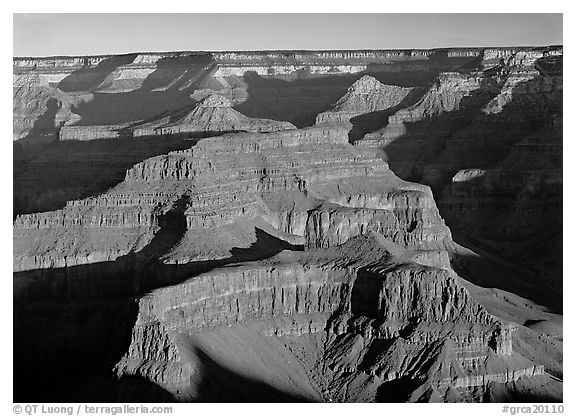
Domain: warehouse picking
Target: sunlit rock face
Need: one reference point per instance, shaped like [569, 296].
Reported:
[366, 314]
[308, 183]
[364, 96]
[223, 227]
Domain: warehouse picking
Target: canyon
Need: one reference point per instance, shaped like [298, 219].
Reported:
[310, 226]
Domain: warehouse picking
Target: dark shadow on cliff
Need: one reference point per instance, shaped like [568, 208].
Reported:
[219, 384]
[490, 270]
[550, 65]
[167, 88]
[297, 101]
[517, 241]
[68, 170]
[425, 142]
[513, 213]
[431, 152]
[88, 78]
[454, 141]
[514, 210]
[265, 245]
[299, 97]
[41, 135]
[397, 391]
[20, 159]
[97, 386]
[65, 348]
[72, 323]
[371, 122]
[364, 300]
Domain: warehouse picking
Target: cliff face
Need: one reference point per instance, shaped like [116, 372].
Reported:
[148, 84]
[364, 96]
[460, 111]
[492, 136]
[134, 95]
[376, 320]
[192, 222]
[309, 183]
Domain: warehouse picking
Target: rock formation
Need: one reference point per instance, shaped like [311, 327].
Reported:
[201, 248]
[492, 135]
[212, 115]
[309, 183]
[446, 129]
[99, 97]
[364, 96]
[373, 315]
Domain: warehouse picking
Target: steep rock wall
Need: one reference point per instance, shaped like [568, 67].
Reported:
[375, 305]
[223, 180]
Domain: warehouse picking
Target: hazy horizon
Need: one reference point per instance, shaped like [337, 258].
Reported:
[46, 35]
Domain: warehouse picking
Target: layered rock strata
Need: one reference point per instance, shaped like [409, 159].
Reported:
[491, 136]
[375, 314]
[105, 90]
[463, 115]
[364, 96]
[323, 196]
[212, 115]
[282, 266]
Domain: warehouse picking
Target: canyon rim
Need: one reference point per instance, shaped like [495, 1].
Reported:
[289, 226]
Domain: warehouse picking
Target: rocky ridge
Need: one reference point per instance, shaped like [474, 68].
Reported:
[281, 176]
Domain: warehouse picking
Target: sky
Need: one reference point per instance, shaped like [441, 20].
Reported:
[93, 34]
